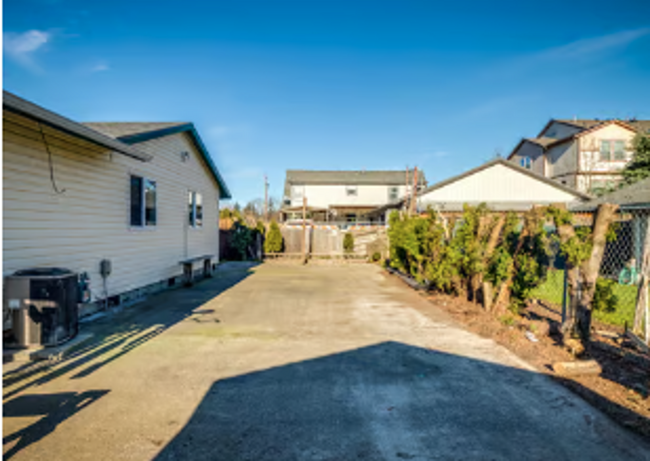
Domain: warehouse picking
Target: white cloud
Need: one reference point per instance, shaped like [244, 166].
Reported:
[592, 47]
[219, 131]
[21, 47]
[579, 52]
[100, 68]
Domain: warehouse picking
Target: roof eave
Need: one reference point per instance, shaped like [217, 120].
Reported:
[224, 192]
[41, 115]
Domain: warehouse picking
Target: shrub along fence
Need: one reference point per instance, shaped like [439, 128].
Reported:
[580, 263]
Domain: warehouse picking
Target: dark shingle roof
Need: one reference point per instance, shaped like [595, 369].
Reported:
[583, 123]
[632, 196]
[543, 141]
[349, 177]
[640, 125]
[136, 132]
[122, 129]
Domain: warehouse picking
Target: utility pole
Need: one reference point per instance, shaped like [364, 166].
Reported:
[414, 190]
[304, 229]
[406, 192]
[266, 199]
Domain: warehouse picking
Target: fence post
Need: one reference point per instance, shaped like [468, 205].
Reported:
[565, 289]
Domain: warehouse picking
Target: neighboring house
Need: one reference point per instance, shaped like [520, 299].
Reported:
[344, 195]
[501, 185]
[585, 154]
[633, 222]
[142, 195]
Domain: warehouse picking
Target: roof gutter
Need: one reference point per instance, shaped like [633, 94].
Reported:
[20, 106]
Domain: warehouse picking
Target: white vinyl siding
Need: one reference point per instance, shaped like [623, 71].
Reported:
[496, 184]
[90, 220]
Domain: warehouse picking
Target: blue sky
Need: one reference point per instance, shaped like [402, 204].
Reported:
[334, 84]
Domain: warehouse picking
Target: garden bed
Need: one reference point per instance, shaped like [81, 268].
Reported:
[621, 390]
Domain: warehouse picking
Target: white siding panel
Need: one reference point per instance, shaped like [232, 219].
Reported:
[497, 183]
[90, 220]
[323, 196]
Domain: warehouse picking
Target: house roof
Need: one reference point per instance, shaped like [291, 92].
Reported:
[509, 164]
[586, 126]
[137, 132]
[636, 195]
[122, 129]
[22, 107]
[349, 177]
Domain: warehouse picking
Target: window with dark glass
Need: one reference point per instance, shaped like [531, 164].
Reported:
[393, 193]
[143, 202]
[195, 209]
[136, 201]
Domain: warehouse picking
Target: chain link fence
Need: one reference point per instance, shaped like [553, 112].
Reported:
[620, 271]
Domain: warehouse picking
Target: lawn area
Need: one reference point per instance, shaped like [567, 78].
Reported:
[551, 291]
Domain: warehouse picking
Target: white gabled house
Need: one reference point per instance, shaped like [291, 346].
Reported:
[345, 195]
[501, 185]
[142, 195]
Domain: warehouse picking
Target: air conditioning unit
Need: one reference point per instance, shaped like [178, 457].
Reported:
[42, 306]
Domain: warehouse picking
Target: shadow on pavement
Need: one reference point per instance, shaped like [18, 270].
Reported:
[395, 401]
[55, 409]
[118, 334]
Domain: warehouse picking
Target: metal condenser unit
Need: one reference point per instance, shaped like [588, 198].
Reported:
[42, 305]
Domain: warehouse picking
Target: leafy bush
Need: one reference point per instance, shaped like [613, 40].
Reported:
[453, 257]
[348, 243]
[605, 300]
[274, 241]
[241, 240]
[376, 256]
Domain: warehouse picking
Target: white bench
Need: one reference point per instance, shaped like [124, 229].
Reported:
[188, 268]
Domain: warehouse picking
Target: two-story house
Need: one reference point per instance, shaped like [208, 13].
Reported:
[585, 154]
[345, 195]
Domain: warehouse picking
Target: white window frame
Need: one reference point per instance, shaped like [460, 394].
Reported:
[192, 221]
[392, 189]
[526, 162]
[143, 202]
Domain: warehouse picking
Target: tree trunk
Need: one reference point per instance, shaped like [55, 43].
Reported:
[590, 269]
[503, 298]
[642, 294]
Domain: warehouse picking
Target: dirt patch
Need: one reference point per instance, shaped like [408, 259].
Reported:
[621, 390]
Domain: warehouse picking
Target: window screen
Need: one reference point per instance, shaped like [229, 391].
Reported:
[198, 210]
[195, 209]
[149, 202]
[605, 150]
[619, 150]
[143, 202]
[190, 208]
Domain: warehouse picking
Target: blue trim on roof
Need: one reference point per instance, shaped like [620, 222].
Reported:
[224, 193]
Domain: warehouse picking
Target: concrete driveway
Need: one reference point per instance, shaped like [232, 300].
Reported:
[305, 363]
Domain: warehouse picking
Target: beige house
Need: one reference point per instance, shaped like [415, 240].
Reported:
[501, 185]
[142, 195]
[585, 154]
[345, 195]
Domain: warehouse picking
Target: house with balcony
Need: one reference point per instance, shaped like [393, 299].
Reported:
[587, 155]
[335, 196]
